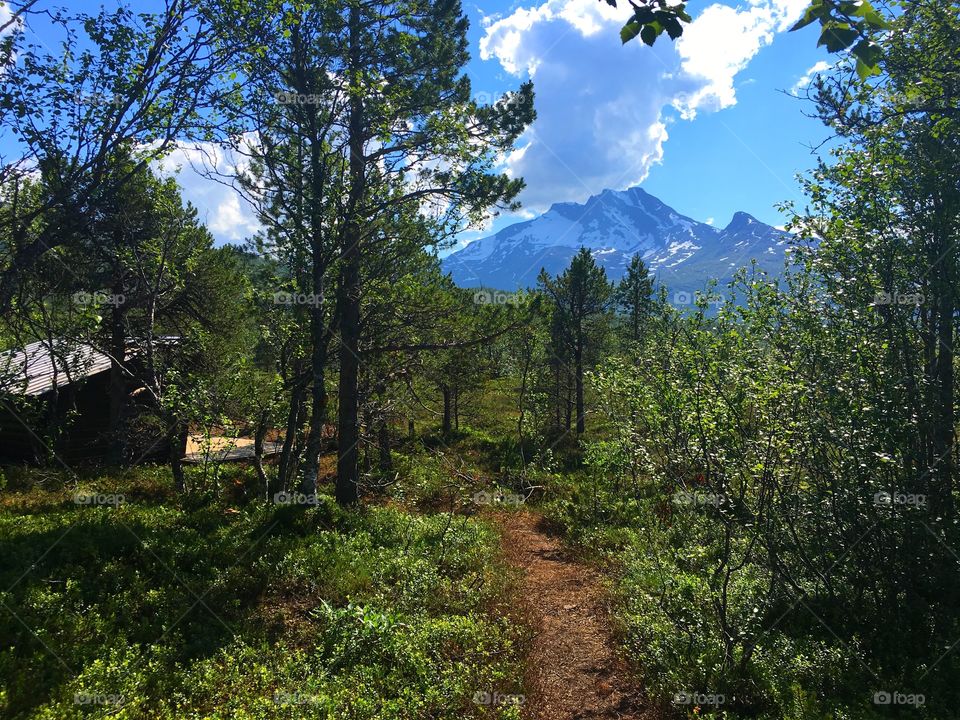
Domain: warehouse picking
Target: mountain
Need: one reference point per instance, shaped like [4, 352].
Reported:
[615, 225]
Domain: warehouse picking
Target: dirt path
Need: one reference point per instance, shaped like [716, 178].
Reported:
[573, 672]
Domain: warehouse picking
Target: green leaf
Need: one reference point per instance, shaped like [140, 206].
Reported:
[864, 71]
[629, 31]
[868, 55]
[816, 11]
[870, 16]
[808, 17]
[644, 15]
[673, 27]
[649, 35]
[837, 36]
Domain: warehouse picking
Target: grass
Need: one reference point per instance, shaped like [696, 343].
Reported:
[158, 606]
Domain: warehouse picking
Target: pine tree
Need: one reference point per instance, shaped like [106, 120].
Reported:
[581, 297]
[634, 296]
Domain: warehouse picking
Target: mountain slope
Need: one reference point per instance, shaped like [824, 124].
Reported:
[615, 225]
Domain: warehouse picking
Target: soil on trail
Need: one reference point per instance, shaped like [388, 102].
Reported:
[573, 672]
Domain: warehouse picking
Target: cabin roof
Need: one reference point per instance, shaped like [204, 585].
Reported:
[35, 370]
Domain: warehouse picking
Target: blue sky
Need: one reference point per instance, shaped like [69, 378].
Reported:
[704, 123]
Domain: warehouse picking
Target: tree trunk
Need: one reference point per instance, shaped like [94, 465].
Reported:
[944, 438]
[299, 444]
[579, 382]
[57, 410]
[447, 397]
[383, 443]
[349, 292]
[319, 335]
[556, 394]
[293, 423]
[118, 381]
[366, 427]
[177, 446]
[347, 420]
[259, 436]
[522, 405]
[54, 415]
[318, 411]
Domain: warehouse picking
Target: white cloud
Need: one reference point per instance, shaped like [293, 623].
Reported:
[231, 221]
[721, 41]
[220, 207]
[507, 38]
[603, 108]
[808, 77]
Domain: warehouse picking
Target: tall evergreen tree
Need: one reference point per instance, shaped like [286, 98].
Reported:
[289, 127]
[634, 296]
[382, 150]
[581, 297]
[415, 142]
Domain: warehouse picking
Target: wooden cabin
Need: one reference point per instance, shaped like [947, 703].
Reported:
[55, 399]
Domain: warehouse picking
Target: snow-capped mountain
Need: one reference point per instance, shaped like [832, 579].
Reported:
[615, 225]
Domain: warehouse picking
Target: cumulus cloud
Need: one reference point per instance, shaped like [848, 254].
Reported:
[232, 221]
[604, 109]
[721, 41]
[808, 77]
[204, 173]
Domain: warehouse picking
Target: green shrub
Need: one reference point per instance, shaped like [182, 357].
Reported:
[167, 607]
